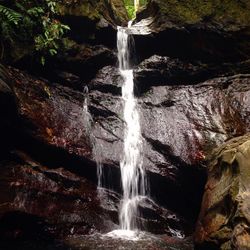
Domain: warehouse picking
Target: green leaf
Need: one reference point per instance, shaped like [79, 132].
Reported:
[52, 52]
[43, 60]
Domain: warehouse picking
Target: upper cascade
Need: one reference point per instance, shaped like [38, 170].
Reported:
[132, 172]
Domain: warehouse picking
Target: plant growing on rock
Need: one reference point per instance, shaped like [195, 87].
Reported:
[30, 24]
[129, 4]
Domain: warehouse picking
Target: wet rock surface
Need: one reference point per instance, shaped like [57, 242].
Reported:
[48, 119]
[89, 58]
[40, 205]
[180, 126]
[58, 201]
[162, 70]
[211, 32]
[224, 218]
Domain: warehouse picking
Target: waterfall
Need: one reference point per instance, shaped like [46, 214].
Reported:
[132, 172]
[136, 4]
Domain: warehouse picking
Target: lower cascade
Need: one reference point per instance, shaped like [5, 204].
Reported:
[133, 175]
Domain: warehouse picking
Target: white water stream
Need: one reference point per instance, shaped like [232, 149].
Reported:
[132, 172]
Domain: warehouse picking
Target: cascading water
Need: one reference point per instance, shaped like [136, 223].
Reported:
[136, 4]
[132, 172]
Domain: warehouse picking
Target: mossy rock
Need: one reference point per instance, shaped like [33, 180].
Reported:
[113, 11]
[229, 14]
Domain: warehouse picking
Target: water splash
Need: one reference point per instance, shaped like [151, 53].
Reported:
[132, 171]
[87, 118]
[96, 148]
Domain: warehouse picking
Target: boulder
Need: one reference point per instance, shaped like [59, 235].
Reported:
[224, 218]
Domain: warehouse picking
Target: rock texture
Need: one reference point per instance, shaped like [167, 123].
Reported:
[212, 31]
[93, 21]
[66, 201]
[224, 218]
[53, 129]
[180, 126]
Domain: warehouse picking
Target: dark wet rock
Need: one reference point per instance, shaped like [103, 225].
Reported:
[49, 114]
[92, 21]
[214, 31]
[84, 60]
[8, 112]
[159, 220]
[55, 203]
[180, 127]
[159, 70]
[54, 130]
[68, 79]
[224, 218]
[74, 66]
[111, 84]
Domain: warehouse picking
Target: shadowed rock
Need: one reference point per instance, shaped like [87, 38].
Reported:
[211, 32]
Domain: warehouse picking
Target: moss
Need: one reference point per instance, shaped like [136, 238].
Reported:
[193, 11]
[83, 8]
[113, 11]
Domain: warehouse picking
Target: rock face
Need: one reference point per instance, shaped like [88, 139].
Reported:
[53, 121]
[180, 126]
[224, 218]
[56, 195]
[92, 21]
[212, 31]
[113, 11]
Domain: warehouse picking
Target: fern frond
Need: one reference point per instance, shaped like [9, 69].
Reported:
[11, 15]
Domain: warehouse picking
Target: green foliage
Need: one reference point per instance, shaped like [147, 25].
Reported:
[129, 4]
[11, 15]
[48, 40]
[33, 23]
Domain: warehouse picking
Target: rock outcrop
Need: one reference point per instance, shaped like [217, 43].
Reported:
[224, 221]
[93, 21]
[212, 31]
[180, 126]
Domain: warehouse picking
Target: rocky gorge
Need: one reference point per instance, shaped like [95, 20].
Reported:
[192, 83]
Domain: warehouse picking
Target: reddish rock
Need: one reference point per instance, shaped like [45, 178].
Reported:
[224, 218]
